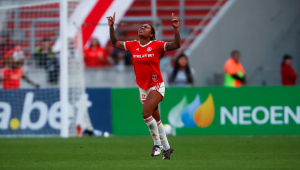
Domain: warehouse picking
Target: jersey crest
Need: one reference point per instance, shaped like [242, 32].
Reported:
[154, 77]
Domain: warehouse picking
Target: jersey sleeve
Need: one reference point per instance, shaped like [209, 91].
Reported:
[161, 46]
[128, 45]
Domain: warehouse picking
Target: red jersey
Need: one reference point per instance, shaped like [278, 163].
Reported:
[11, 78]
[288, 75]
[95, 57]
[146, 62]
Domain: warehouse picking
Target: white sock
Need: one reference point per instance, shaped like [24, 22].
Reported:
[163, 136]
[151, 123]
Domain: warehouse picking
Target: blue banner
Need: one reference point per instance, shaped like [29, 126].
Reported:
[100, 111]
[37, 112]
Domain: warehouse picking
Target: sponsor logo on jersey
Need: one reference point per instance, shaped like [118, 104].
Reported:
[144, 55]
[149, 49]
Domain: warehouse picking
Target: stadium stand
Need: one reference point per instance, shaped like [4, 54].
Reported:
[194, 13]
[42, 21]
[35, 23]
[46, 17]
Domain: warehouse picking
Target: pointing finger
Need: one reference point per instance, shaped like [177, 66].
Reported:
[172, 15]
[114, 15]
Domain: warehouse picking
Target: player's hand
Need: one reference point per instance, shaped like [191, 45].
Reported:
[175, 21]
[111, 20]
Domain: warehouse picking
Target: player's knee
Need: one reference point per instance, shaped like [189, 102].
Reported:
[146, 113]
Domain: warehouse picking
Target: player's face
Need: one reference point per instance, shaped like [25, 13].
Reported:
[145, 31]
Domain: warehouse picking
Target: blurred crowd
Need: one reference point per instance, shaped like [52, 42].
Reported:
[11, 64]
[181, 74]
[235, 75]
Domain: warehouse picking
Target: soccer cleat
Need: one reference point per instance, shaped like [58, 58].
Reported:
[167, 153]
[156, 150]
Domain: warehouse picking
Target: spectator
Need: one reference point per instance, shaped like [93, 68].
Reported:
[45, 58]
[234, 71]
[43, 53]
[5, 45]
[12, 72]
[181, 74]
[288, 75]
[121, 56]
[95, 55]
[52, 68]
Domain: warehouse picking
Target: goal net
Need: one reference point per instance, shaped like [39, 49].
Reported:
[30, 71]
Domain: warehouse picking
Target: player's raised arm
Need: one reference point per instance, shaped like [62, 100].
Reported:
[176, 44]
[113, 38]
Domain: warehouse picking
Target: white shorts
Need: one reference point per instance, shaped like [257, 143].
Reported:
[159, 87]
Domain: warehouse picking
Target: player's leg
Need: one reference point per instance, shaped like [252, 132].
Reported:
[163, 137]
[161, 130]
[167, 148]
[151, 102]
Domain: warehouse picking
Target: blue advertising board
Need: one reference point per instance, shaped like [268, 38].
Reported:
[100, 111]
[27, 112]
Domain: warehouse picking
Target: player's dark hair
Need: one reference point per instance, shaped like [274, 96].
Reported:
[152, 32]
[187, 70]
[234, 52]
[285, 57]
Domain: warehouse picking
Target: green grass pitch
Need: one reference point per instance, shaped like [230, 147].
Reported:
[133, 153]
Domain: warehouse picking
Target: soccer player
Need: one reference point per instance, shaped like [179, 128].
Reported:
[146, 54]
